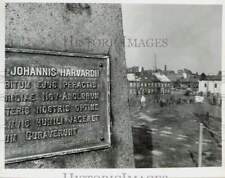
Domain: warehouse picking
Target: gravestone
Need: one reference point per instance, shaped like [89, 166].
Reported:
[76, 51]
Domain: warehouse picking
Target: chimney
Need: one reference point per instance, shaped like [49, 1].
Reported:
[165, 68]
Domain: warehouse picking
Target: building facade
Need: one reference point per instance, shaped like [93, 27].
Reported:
[148, 84]
[212, 86]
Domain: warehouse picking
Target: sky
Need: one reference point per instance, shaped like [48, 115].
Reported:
[193, 34]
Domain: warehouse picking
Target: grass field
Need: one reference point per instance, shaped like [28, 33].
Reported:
[168, 136]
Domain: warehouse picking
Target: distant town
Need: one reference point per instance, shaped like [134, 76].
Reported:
[163, 82]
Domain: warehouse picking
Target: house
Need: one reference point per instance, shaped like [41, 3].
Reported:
[133, 83]
[190, 82]
[164, 83]
[211, 84]
[148, 83]
[186, 73]
[133, 69]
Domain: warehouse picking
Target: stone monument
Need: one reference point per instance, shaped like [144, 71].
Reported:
[66, 101]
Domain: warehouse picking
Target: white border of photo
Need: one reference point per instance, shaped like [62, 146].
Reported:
[203, 172]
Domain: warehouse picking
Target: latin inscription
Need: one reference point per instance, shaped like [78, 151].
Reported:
[48, 96]
[54, 102]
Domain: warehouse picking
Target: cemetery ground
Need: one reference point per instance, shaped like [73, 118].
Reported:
[168, 136]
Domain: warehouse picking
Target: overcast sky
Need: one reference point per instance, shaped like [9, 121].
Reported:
[193, 34]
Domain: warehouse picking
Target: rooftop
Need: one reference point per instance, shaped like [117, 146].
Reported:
[162, 77]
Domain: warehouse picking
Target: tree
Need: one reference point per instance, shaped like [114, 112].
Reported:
[203, 76]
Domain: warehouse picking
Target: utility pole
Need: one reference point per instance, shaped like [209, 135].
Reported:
[200, 142]
[155, 62]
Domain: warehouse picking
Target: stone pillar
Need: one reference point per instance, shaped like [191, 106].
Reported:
[86, 28]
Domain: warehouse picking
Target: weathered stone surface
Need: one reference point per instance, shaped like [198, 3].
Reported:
[72, 28]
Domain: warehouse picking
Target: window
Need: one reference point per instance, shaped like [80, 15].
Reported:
[215, 85]
[205, 85]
